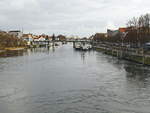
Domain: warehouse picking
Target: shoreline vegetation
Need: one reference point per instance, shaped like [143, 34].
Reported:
[10, 43]
[131, 43]
[15, 48]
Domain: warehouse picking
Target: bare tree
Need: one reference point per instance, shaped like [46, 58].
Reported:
[141, 27]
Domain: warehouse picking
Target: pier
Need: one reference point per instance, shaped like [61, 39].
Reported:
[138, 55]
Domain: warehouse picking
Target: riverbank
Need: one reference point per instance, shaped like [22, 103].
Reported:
[12, 52]
[12, 49]
[133, 55]
[15, 48]
[1, 51]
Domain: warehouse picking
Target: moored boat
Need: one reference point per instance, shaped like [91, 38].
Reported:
[77, 46]
[82, 46]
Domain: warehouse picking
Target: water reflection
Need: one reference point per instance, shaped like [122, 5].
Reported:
[14, 53]
[64, 80]
[39, 50]
[137, 74]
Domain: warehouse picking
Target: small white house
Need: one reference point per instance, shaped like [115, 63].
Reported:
[28, 38]
[41, 38]
[16, 33]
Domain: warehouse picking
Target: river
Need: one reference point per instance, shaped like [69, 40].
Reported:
[62, 80]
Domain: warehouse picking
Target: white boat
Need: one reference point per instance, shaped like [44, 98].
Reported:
[82, 46]
[77, 46]
[85, 47]
[89, 46]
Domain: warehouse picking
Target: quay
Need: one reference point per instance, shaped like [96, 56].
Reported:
[138, 55]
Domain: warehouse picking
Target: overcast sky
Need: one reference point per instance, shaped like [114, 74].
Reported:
[69, 17]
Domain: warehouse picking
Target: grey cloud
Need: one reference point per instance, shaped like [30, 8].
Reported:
[79, 17]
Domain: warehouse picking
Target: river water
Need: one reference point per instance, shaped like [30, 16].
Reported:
[62, 80]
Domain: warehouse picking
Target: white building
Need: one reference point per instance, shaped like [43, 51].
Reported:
[111, 33]
[41, 38]
[28, 37]
[16, 33]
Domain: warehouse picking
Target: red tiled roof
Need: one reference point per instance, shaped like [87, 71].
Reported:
[122, 29]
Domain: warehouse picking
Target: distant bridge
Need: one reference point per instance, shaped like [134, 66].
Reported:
[50, 42]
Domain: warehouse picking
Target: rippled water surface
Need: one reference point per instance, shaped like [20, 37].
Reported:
[62, 80]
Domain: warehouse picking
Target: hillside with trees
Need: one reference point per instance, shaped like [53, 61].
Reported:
[7, 40]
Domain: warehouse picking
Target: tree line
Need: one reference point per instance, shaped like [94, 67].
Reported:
[140, 29]
[7, 40]
[137, 32]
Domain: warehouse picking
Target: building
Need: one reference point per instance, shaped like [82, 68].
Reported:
[27, 37]
[61, 38]
[41, 38]
[122, 30]
[99, 36]
[16, 33]
[112, 33]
